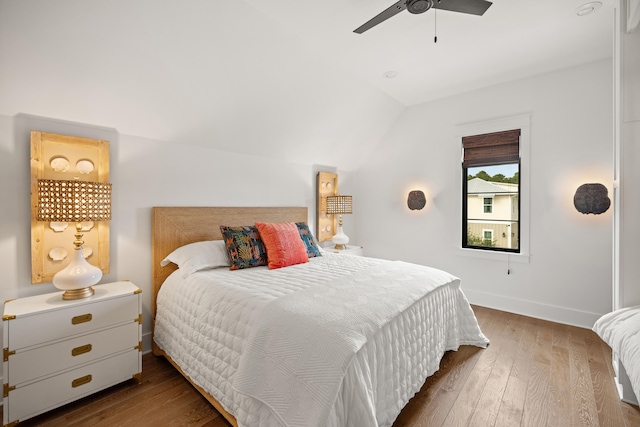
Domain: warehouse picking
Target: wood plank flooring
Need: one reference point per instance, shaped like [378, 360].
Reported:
[534, 373]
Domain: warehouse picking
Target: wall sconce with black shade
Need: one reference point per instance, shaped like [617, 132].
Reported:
[592, 199]
[416, 200]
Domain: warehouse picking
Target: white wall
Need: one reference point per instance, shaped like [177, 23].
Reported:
[629, 281]
[216, 74]
[568, 276]
[144, 173]
[626, 273]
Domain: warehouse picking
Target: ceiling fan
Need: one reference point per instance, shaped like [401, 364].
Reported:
[472, 7]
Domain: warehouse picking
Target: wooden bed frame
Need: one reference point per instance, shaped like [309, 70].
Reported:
[173, 227]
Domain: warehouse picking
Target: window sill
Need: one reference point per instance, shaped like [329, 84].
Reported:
[495, 255]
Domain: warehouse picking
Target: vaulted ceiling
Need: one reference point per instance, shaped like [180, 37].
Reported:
[278, 78]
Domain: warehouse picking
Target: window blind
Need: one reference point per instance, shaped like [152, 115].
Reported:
[491, 148]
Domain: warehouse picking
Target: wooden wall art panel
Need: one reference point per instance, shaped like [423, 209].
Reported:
[66, 157]
[327, 185]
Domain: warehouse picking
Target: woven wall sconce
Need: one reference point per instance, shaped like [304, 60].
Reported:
[416, 200]
[592, 199]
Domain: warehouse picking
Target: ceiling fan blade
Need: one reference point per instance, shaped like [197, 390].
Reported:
[386, 14]
[472, 7]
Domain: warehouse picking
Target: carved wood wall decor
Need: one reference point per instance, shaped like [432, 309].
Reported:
[66, 157]
[327, 185]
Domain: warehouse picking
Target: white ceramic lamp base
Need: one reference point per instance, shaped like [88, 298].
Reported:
[77, 278]
[340, 240]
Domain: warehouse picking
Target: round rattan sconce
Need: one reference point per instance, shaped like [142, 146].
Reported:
[592, 199]
[416, 200]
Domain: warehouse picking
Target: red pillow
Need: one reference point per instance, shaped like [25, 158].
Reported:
[283, 243]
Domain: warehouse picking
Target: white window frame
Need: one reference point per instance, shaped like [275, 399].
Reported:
[522, 122]
[484, 205]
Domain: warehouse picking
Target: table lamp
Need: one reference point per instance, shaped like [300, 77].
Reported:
[339, 205]
[75, 201]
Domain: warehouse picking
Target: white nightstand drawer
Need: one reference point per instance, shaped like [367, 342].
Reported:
[70, 320]
[56, 351]
[36, 398]
[25, 366]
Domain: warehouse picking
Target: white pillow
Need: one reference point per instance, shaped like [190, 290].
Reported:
[199, 256]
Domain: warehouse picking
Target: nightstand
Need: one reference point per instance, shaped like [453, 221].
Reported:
[350, 250]
[57, 351]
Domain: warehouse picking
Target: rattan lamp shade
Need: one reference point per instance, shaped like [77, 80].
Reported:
[339, 205]
[75, 201]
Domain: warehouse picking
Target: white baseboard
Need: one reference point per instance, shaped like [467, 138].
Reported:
[552, 313]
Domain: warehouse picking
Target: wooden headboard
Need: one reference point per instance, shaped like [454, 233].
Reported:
[172, 227]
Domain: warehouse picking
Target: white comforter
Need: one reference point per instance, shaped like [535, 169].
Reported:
[621, 330]
[203, 323]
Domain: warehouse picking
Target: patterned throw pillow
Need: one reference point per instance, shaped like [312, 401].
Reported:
[244, 246]
[309, 241]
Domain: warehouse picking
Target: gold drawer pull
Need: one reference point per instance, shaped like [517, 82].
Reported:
[81, 381]
[83, 318]
[81, 350]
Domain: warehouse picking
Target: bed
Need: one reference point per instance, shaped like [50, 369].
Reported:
[272, 347]
[620, 329]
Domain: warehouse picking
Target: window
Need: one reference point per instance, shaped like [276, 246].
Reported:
[491, 191]
[488, 205]
[487, 237]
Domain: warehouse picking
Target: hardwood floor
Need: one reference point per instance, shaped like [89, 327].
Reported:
[534, 373]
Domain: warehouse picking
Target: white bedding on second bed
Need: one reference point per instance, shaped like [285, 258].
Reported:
[203, 322]
[621, 330]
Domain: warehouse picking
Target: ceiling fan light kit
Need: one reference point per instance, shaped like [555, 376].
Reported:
[419, 6]
[471, 7]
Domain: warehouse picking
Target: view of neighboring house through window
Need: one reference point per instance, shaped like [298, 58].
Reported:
[487, 236]
[491, 189]
[488, 205]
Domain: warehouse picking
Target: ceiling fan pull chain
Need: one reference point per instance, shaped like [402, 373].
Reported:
[435, 24]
